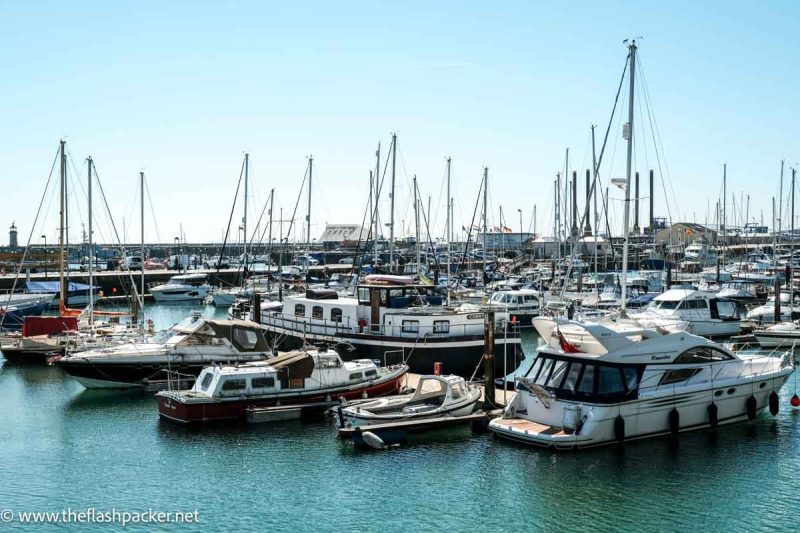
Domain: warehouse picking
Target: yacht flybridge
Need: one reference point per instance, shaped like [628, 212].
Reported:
[590, 385]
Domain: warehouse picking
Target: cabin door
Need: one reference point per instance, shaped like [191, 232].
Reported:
[375, 309]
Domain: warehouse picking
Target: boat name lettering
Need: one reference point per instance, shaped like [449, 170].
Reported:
[659, 357]
[474, 316]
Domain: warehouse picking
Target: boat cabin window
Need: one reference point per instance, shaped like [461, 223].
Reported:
[363, 295]
[263, 383]
[572, 376]
[458, 391]
[316, 312]
[544, 372]
[694, 304]
[586, 385]
[206, 381]
[371, 373]
[574, 379]
[356, 376]
[441, 326]
[246, 338]
[410, 326]
[610, 380]
[702, 354]
[299, 310]
[557, 375]
[428, 388]
[233, 385]
[667, 304]
[678, 375]
[336, 314]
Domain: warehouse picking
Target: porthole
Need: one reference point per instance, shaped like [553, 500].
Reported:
[718, 393]
[762, 385]
[731, 391]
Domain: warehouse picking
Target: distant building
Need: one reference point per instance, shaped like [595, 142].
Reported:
[12, 236]
[342, 234]
[686, 233]
[503, 241]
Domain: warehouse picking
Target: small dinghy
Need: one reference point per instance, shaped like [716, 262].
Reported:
[435, 396]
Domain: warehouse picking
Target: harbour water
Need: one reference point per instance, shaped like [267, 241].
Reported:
[64, 447]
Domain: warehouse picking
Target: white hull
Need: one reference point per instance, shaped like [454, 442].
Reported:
[90, 383]
[647, 417]
[189, 295]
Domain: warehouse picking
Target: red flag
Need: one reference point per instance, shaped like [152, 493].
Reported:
[566, 346]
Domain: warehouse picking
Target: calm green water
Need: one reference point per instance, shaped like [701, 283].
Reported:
[66, 447]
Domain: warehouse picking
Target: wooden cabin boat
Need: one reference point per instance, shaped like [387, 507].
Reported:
[293, 378]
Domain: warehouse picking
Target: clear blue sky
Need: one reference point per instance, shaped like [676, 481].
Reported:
[182, 90]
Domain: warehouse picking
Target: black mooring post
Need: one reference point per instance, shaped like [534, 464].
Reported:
[488, 359]
[777, 285]
[256, 308]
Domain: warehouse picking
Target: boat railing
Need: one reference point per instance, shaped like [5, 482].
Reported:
[318, 326]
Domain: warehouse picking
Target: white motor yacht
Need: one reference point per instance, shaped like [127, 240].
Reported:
[185, 349]
[591, 385]
[182, 288]
[698, 312]
[765, 314]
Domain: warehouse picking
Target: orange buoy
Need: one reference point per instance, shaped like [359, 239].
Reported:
[795, 401]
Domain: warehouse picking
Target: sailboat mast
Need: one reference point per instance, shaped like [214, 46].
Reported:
[789, 284]
[632, 54]
[141, 214]
[485, 213]
[375, 213]
[62, 288]
[269, 237]
[416, 221]
[780, 208]
[449, 230]
[308, 215]
[724, 204]
[594, 195]
[91, 247]
[244, 218]
[391, 217]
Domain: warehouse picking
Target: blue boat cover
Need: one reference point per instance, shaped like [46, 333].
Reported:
[54, 286]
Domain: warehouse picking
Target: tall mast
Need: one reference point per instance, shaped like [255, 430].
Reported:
[141, 213]
[91, 248]
[416, 221]
[780, 209]
[485, 212]
[269, 253]
[594, 195]
[375, 213]
[244, 218]
[62, 288]
[724, 204]
[391, 218]
[789, 283]
[632, 54]
[308, 216]
[449, 230]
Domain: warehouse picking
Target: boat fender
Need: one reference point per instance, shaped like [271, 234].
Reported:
[373, 441]
[619, 429]
[713, 415]
[674, 421]
[751, 407]
[773, 403]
